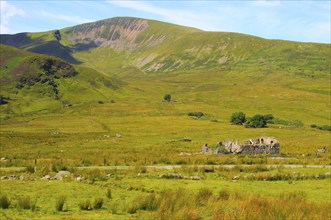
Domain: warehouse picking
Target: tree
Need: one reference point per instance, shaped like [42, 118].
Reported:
[238, 118]
[257, 121]
[167, 98]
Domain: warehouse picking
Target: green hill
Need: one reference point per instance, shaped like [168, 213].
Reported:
[133, 46]
[34, 82]
[213, 72]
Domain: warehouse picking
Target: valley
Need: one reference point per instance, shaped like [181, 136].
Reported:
[91, 97]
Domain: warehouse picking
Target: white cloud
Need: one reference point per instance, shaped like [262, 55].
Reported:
[71, 19]
[8, 11]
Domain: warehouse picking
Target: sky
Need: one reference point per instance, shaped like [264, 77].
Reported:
[305, 21]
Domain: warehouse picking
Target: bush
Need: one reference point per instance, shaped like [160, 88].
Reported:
[268, 118]
[238, 118]
[325, 127]
[4, 202]
[196, 114]
[108, 193]
[98, 202]
[60, 203]
[85, 205]
[167, 98]
[257, 121]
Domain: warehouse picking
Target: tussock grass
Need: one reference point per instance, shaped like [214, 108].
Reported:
[85, 205]
[98, 203]
[26, 202]
[4, 201]
[59, 203]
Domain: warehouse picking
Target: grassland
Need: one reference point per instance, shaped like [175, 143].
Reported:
[97, 124]
[84, 135]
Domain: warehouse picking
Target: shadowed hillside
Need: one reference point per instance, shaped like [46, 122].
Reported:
[31, 82]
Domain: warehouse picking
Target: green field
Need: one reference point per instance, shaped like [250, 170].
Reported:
[105, 114]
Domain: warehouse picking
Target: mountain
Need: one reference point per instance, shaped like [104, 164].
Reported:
[134, 46]
[137, 61]
[34, 82]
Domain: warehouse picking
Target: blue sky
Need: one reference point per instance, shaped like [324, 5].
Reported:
[307, 21]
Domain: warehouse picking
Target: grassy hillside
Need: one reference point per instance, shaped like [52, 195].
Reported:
[32, 82]
[145, 46]
[101, 107]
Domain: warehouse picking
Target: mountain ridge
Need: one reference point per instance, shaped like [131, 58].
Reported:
[149, 46]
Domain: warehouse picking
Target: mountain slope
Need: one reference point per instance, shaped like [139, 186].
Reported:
[32, 82]
[125, 45]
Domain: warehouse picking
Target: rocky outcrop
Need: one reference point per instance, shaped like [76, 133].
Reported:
[119, 34]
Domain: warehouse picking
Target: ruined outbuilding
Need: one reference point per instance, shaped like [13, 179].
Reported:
[260, 145]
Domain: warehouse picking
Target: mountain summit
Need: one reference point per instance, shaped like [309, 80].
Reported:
[135, 45]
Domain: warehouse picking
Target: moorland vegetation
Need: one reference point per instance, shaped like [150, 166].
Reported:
[114, 103]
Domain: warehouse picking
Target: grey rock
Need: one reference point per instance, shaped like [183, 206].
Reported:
[61, 174]
[46, 177]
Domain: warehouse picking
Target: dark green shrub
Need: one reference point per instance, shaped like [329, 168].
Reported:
[108, 193]
[167, 98]
[85, 205]
[98, 202]
[101, 102]
[238, 118]
[4, 202]
[268, 118]
[325, 127]
[60, 203]
[196, 114]
[257, 121]
[313, 126]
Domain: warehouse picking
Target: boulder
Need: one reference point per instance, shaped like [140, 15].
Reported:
[12, 177]
[61, 174]
[47, 177]
[119, 136]
[195, 177]
[79, 178]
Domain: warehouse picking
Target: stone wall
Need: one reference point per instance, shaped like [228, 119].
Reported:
[260, 145]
